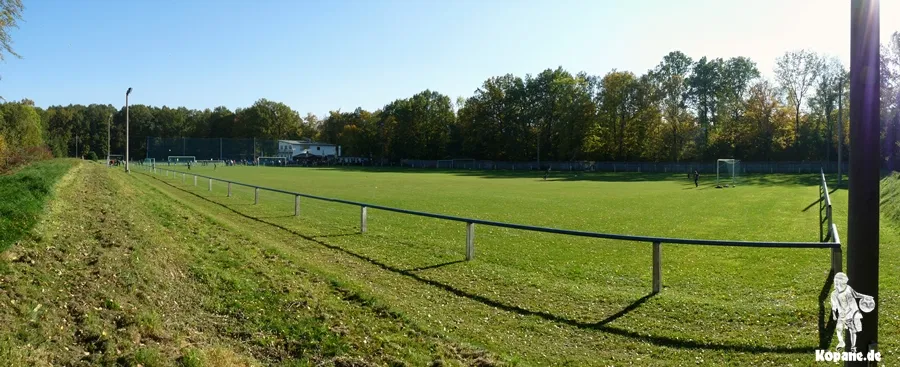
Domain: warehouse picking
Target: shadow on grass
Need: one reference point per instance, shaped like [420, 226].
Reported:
[817, 201]
[435, 266]
[826, 328]
[600, 325]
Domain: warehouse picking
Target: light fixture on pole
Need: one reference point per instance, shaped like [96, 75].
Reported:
[127, 159]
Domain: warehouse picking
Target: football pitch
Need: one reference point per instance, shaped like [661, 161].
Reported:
[539, 298]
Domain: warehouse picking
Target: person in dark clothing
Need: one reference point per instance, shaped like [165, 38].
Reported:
[696, 178]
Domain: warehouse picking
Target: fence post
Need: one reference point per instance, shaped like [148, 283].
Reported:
[167, 173]
[837, 260]
[362, 219]
[182, 177]
[830, 221]
[296, 205]
[255, 195]
[210, 185]
[229, 189]
[470, 241]
[195, 180]
[657, 268]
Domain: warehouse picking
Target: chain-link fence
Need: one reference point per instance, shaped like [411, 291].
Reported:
[211, 148]
[647, 167]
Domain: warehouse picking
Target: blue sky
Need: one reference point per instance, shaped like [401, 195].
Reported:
[318, 56]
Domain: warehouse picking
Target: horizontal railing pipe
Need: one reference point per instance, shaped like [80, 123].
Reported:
[578, 233]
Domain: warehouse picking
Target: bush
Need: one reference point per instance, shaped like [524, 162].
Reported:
[21, 157]
[92, 156]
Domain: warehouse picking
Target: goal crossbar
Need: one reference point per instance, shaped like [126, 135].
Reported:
[727, 171]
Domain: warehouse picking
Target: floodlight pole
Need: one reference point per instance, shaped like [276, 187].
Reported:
[127, 140]
[108, 130]
[840, 128]
[863, 207]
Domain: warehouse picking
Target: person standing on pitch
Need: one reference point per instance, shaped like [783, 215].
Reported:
[696, 178]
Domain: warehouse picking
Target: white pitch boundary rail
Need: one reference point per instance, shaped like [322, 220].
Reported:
[834, 243]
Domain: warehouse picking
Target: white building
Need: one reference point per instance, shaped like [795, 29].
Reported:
[306, 148]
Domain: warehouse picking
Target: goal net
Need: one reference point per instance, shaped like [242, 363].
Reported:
[727, 172]
[181, 159]
[272, 161]
[445, 163]
[150, 161]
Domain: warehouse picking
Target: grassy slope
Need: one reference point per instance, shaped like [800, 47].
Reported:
[137, 278]
[24, 194]
[555, 299]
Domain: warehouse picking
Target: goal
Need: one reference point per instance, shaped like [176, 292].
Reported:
[727, 172]
[272, 161]
[181, 159]
[445, 163]
[150, 161]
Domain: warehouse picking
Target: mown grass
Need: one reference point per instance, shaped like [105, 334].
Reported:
[23, 195]
[141, 278]
[547, 299]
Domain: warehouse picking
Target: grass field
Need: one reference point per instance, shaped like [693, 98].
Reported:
[23, 195]
[550, 299]
[215, 280]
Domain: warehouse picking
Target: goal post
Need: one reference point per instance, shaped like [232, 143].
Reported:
[181, 159]
[727, 171]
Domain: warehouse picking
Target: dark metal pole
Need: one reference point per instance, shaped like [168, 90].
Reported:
[127, 136]
[840, 128]
[862, 223]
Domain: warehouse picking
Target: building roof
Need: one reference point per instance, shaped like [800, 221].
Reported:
[307, 142]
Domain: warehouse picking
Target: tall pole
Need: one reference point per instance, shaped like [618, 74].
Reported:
[863, 207]
[108, 129]
[76, 145]
[127, 136]
[840, 127]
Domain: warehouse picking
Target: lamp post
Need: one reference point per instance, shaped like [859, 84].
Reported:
[127, 140]
[108, 130]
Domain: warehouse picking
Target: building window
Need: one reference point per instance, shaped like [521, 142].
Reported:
[318, 148]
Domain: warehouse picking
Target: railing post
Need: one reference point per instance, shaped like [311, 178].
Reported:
[830, 221]
[837, 260]
[362, 219]
[210, 185]
[296, 205]
[255, 195]
[657, 268]
[195, 180]
[470, 241]
[182, 177]
[229, 189]
[167, 173]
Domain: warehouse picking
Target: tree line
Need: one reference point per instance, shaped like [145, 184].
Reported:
[684, 109]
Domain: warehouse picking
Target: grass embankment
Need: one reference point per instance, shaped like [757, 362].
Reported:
[23, 195]
[546, 299]
[125, 274]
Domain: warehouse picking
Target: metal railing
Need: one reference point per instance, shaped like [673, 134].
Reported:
[833, 243]
[828, 232]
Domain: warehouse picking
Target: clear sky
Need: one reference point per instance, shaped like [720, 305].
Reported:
[318, 56]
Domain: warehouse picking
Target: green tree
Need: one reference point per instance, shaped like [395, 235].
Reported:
[672, 75]
[796, 72]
